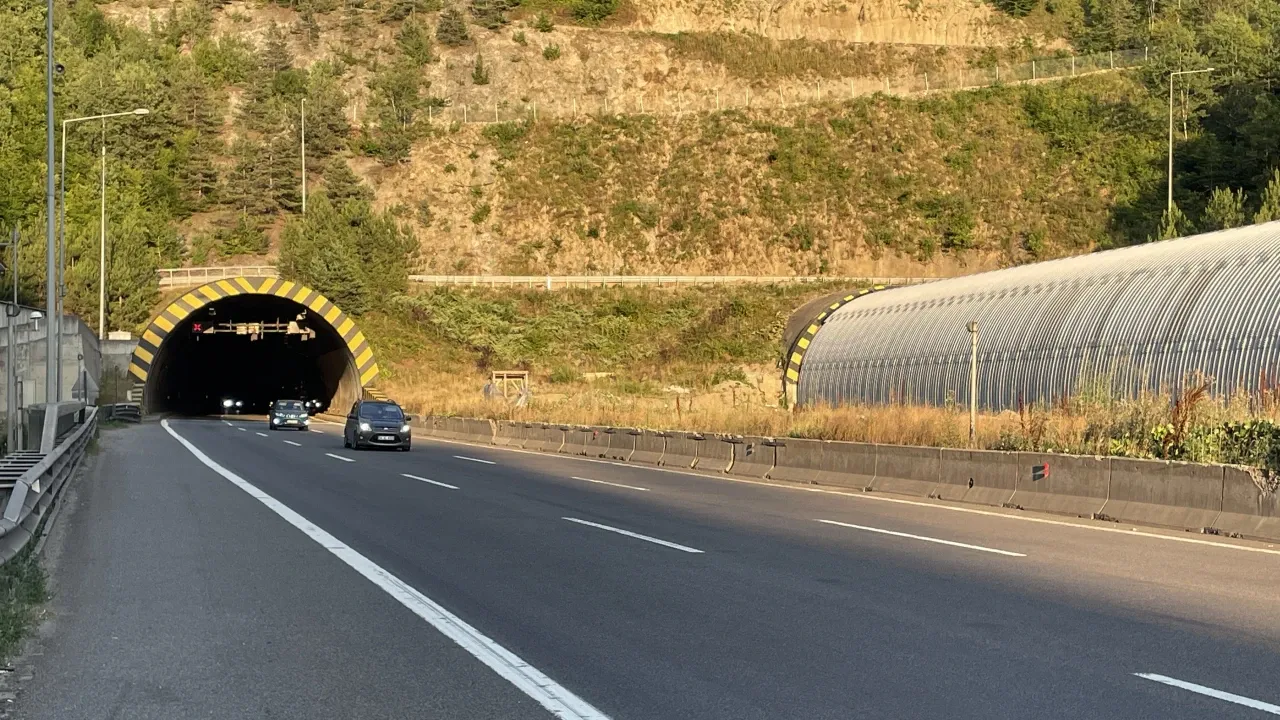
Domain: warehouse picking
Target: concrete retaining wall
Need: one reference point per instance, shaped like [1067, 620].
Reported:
[1170, 494]
[985, 477]
[752, 457]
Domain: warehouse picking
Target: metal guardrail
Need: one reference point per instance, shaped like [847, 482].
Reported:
[34, 491]
[124, 412]
[185, 277]
[551, 282]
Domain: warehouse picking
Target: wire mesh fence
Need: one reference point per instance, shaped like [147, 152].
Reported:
[462, 108]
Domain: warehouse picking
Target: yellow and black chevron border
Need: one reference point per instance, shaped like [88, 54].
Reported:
[178, 310]
[795, 354]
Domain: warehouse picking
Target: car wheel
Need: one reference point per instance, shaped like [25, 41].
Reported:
[345, 442]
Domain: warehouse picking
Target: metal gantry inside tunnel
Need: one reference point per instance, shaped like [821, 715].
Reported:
[254, 340]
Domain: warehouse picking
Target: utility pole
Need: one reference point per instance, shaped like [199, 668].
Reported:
[304, 156]
[973, 382]
[62, 221]
[11, 408]
[102, 243]
[1172, 75]
[51, 280]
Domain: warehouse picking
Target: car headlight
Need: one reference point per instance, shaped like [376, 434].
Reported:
[228, 403]
[364, 427]
[306, 421]
[239, 403]
[404, 427]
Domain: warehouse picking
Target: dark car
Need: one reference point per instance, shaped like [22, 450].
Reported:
[377, 423]
[288, 414]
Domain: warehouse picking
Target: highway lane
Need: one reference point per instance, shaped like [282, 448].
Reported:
[782, 616]
[176, 595]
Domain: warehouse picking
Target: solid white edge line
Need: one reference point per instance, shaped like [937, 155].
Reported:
[427, 480]
[476, 460]
[925, 538]
[605, 482]
[290, 442]
[1218, 694]
[339, 457]
[261, 434]
[638, 536]
[557, 699]
[870, 496]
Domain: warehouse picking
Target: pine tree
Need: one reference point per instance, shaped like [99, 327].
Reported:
[1173, 224]
[414, 41]
[245, 187]
[1270, 208]
[341, 184]
[491, 14]
[1225, 209]
[283, 170]
[275, 55]
[452, 28]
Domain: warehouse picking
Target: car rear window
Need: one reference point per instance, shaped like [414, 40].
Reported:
[379, 411]
[289, 406]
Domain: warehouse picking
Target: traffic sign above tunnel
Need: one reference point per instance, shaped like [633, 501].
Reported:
[172, 362]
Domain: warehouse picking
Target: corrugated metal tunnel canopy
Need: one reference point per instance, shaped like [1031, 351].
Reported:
[1139, 318]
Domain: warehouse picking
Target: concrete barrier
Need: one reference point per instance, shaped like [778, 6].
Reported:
[839, 464]
[753, 456]
[1250, 504]
[649, 447]
[1169, 494]
[715, 454]
[574, 437]
[622, 443]
[509, 434]
[595, 442]
[797, 461]
[1075, 485]
[907, 470]
[475, 430]
[544, 438]
[682, 449]
[985, 477]
[451, 428]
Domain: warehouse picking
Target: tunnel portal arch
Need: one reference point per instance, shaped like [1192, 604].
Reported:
[339, 363]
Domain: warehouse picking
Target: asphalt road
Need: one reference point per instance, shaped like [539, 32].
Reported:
[306, 580]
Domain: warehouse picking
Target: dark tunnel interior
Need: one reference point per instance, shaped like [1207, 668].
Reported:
[252, 350]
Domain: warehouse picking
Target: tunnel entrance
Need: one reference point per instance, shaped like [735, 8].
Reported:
[251, 341]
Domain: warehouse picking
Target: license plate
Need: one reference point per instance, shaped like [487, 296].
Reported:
[386, 438]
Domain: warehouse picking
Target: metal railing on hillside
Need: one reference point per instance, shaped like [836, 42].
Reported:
[481, 104]
[34, 479]
[555, 282]
[186, 277]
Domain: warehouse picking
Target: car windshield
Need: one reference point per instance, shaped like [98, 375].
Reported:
[289, 406]
[380, 411]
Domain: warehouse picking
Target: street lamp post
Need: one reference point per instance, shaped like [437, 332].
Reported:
[50, 286]
[1172, 75]
[62, 232]
[304, 156]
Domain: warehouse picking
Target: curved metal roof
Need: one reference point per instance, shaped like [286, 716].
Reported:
[1138, 318]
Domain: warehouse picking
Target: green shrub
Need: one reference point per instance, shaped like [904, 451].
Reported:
[551, 52]
[593, 11]
[479, 73]
[452, 28]
[542, 24]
